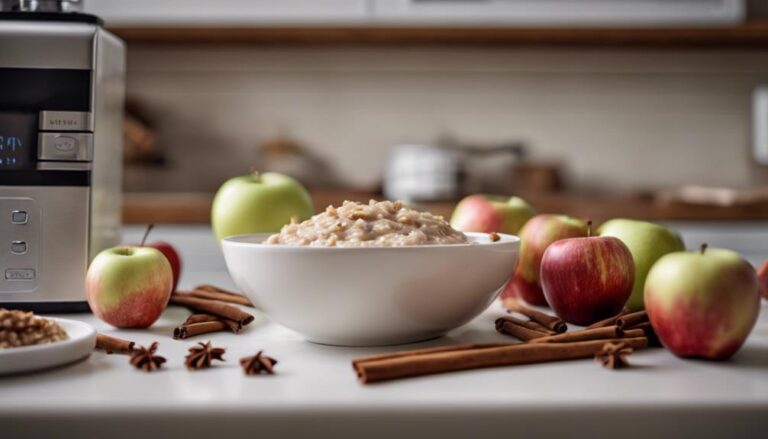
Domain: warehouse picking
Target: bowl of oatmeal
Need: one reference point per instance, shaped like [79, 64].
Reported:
[371, 274]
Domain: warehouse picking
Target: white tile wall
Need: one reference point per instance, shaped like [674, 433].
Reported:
[620, 119]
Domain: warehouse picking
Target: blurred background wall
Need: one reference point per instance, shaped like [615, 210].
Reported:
[617, 119]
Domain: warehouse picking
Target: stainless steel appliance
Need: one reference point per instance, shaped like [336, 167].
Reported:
[61, 104]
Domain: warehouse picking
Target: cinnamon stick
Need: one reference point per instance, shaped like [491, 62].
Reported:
[113, 344]
[214, 307]
[610, 321]
[633, 333]
[182, 330]
[198, 318]
[193, 329]
[632, 319]
[646, 328]
[214, 288]
[215, 293]
[508, 327]
[423, 351]
[583, 335]
[232, 325]
[521, 353]
[550, 322]
[530, 324]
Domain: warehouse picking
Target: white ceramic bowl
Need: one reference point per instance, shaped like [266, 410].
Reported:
[375, 295]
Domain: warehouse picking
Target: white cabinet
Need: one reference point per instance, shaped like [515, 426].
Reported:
[228, 12]
[418, 12]
[543, 12]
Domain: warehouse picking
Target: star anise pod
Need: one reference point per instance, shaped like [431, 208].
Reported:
[145, 358]
[614, 355]
[257, 364]
[200, 356]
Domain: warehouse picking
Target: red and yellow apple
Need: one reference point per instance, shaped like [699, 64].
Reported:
[702, 304]
[491, 213]
[173, 257]
[536, 235]
[762, 274]
[129, 287]
[168, 251]
[587, 279]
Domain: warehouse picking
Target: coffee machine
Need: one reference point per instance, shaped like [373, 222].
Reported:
[62, 81]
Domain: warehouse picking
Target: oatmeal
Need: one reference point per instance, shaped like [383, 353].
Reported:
[376, 224]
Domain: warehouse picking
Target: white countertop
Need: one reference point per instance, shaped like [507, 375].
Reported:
[314, 390]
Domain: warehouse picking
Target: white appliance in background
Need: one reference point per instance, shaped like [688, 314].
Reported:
[449, 169]
[760, 124]
[422, 173]
[559, 12]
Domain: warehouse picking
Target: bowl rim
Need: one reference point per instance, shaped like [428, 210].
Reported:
[245, 240]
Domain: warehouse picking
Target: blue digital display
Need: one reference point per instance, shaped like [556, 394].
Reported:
[17, 136]
[10, 150]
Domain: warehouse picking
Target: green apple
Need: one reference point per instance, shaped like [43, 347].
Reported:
[647, 242]
[258, 203]
[129, 287]
[702, 304]
[491, 213]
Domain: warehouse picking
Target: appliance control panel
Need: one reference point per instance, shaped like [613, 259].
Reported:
[20, 233]
[45, 140]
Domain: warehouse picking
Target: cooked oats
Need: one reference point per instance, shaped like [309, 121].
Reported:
[376, 224]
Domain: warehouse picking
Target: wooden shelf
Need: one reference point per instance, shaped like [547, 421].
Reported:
[751, 34]
[196, 208]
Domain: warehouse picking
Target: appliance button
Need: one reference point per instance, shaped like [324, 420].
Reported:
[65, 144]
[20, 274]
[18, 247]
[65, 121]
[75, 147]
[19, 217]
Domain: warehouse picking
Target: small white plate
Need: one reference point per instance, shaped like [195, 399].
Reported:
[80, 344]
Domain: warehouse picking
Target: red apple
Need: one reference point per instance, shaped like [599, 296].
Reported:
[762, 275]
[129, 287]
[536, 235]
[173, 257]
[491, 213]
[168, 251]
[702, 304]
[587, 279]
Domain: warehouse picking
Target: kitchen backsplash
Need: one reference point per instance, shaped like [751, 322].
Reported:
[618, 120]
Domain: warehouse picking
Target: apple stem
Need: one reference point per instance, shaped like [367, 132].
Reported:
[703, 248]
[589, 228]
[146, 234]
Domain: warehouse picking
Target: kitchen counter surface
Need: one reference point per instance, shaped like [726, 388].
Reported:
[315, 390]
